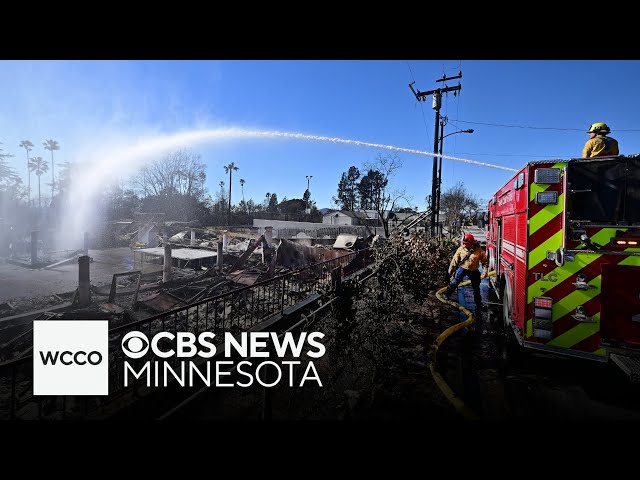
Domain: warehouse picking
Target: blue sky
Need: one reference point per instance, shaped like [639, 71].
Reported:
[98, 106]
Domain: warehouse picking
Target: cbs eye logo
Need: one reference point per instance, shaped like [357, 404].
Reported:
[135, 344]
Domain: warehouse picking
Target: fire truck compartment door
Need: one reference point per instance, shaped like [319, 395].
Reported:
[620, 314]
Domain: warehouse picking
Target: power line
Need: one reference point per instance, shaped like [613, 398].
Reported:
[453, 169]
[424, 119]
[459, 67]
[453, 122]
[539, 128]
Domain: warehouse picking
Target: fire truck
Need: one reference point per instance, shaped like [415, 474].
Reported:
[564, 240]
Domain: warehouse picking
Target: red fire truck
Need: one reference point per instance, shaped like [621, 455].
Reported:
[564, 239]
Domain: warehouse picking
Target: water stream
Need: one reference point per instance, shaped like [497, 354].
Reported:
[112, 164]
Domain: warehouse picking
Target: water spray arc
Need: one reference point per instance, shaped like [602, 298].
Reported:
[358, 143]
[120, 162]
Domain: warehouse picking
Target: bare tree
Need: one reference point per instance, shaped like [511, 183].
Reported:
[457, 204]
[181, 172]
[7, 174]
[384, 199]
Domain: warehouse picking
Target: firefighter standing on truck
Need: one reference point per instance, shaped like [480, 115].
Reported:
[465, 263]
[599, 145]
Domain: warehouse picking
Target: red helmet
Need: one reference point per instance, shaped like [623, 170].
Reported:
[468, 239]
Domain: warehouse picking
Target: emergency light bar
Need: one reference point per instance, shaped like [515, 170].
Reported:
[547, 175]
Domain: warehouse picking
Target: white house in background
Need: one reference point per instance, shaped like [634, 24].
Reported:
[340, 217]
[362, 217]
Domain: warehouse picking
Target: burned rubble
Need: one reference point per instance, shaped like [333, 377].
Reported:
[242, 260]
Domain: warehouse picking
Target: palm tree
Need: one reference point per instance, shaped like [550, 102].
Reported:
[229, 169]
[27, 145]
[39, 166]
[242, 182]
[51, 145]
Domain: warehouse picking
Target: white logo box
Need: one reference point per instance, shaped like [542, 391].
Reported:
[80, 350]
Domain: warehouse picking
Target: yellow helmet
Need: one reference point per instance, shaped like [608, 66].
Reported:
[599, 128]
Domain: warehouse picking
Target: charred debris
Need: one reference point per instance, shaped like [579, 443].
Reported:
[204, 263]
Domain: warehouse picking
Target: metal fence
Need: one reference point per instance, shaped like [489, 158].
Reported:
[233, 312]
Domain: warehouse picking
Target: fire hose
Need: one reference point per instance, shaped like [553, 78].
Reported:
[458, 404]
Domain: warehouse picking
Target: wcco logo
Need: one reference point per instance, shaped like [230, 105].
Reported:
[70, 357]
[79, 358]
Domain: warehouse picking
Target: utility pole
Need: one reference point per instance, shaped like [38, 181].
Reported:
[437, 103]
[443, 122]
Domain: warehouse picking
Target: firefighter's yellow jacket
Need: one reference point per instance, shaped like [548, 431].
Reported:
[599, 146]
[471, 262]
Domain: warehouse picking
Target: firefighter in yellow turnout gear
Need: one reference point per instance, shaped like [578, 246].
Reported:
[466, 263]
[599, 145]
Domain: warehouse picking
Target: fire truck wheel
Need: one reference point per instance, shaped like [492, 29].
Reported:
[510, 350]
[506, 312]
[506, 337]
[494, 314]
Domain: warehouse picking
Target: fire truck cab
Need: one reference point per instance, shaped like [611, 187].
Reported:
[564, 239]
